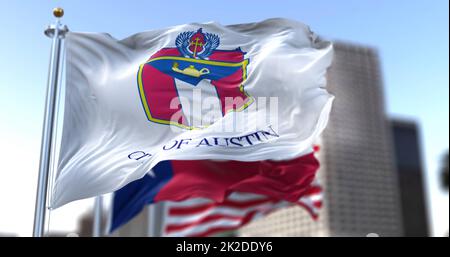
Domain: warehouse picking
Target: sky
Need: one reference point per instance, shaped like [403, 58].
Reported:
[411, 37]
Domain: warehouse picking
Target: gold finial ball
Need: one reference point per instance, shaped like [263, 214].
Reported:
[58, 12]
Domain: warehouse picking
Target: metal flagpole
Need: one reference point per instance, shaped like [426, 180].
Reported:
[56, 32]
[98, 211]
[162, 213]
[155, 217]
[151, 220]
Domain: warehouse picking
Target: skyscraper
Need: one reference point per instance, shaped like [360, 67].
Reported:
[409, 167]
[357, 157]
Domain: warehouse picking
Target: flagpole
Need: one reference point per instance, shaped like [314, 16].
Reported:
[155, 215]
[98, 211]
[162, 213]
[151, 220]
[56, 32]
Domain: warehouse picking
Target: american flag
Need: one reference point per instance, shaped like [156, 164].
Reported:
[199, 217]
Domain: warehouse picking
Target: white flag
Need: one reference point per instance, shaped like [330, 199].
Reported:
[244, 92]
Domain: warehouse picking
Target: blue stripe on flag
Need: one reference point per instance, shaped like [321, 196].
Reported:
[132, 198]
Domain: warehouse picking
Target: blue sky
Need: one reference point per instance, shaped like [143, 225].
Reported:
[411, 36]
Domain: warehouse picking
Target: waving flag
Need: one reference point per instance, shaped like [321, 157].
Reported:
[202, 217]
[246, 92]
[215, 180]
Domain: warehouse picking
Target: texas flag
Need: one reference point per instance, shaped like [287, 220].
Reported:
[275, 183]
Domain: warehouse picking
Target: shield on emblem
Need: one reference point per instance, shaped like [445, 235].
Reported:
[160, 77]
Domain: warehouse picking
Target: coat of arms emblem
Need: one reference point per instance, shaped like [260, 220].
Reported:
[194, 60]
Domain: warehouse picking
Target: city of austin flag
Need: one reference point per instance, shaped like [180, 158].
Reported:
[246, 92]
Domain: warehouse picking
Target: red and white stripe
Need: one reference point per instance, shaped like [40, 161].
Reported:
[200, 217]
